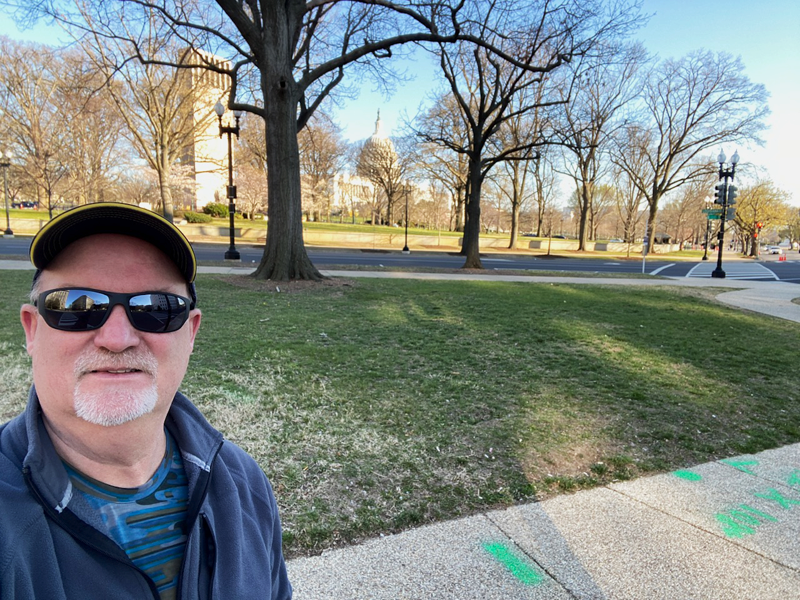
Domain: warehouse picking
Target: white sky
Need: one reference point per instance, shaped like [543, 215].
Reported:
[765, 34]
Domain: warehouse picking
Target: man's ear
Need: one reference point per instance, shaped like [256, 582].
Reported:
[195, 316]
[29, 317]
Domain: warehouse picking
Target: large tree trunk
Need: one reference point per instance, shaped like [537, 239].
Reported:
[512, 244]
[459, 209]
[651, 224]
[472, 229]
[166, 192]
[285, 256]
[586, 204]
[465, 226]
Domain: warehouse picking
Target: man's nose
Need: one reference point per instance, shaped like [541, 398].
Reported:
[117, 334]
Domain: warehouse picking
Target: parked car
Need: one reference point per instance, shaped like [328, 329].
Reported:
[616, 241]
[774, 250]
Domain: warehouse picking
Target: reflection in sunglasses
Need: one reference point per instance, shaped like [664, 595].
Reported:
[84, 310]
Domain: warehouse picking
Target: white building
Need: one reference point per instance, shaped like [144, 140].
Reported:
[206, 156]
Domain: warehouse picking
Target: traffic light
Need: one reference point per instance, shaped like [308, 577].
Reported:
[719, 195]
[759, 225]
[732, 194]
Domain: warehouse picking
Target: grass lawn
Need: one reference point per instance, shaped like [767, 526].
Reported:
[381, 405]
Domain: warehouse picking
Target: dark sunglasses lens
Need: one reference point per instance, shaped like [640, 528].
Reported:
[75, 310]
[158, 313]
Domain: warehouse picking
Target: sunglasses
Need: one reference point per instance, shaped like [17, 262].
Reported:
[79, 309]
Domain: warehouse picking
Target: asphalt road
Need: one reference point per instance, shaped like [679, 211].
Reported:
[769, 268]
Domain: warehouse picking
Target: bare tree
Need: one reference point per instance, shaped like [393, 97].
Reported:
[322, 153]
[292, 55]
[546, 181]
[441, 163]
[137, 185]
[546, 35]
[94, 151]
[629, 197]
[683, 214]
[164, 110]
[523, 130]
[600, 87]
[251, 167]
[690, 106]
[600, 207]
[432, 207]
[36, 125]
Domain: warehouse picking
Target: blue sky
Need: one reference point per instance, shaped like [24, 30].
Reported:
[765, 34]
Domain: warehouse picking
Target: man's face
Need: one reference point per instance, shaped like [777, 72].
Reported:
[114, 374]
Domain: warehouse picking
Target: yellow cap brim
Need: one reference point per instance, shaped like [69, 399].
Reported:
[113, 217]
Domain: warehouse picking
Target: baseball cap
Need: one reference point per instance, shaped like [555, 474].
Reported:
[113, 217]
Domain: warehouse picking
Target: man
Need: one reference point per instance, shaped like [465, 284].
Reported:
[112, 484]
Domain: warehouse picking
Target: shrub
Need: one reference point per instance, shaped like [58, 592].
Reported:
[193, 217]
[216, 209]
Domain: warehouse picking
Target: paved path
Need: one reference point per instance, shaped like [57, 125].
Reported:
[724, 530]
[773, 298]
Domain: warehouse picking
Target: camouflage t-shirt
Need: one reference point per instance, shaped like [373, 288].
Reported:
[148, 521]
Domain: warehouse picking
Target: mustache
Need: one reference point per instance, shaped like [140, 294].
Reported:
[99, 359]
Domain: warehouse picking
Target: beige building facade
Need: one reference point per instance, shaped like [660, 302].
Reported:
[206, 157]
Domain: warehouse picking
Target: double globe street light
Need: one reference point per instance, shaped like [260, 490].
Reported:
[726, 196]
[232, 253]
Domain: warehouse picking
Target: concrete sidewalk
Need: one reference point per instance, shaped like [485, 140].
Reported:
[723, 530]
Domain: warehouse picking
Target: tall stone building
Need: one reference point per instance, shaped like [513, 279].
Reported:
[206, 156]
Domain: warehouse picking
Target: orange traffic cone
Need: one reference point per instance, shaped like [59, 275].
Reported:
[782, 257]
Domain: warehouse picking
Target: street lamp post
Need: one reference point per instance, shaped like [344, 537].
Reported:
[708, 226]
[232, 253]
[405, 248]
[5, 162]
[724, 196]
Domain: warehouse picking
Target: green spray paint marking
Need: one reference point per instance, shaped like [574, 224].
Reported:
[741, 465]
[739, 523]
[733, 529]
[776, 496]
[688, 475]
[794, 479]
[518, 566]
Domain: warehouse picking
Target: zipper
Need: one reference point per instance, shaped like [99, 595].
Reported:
[86, 534]
[210, 552]
[192, 513]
